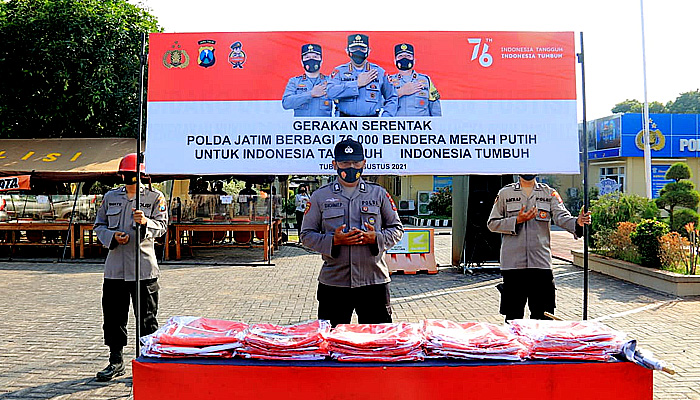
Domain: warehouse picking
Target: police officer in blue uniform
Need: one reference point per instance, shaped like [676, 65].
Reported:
[306, 94]
[361, 88]
[417, 93]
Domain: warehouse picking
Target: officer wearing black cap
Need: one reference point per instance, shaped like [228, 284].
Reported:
[352, 223]
[361, 88]
[417, 93]
[523, 213]
[306, 93]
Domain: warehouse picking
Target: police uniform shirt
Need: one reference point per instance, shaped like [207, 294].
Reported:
[297, 96]
[424, 103]
[527, 245]
[116, 215]
[362, 101]
[351, 266]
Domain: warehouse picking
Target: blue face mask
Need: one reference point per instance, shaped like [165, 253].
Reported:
[350, 174]
[358, 57]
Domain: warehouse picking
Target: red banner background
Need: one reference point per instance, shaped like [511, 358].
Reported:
[274, 57]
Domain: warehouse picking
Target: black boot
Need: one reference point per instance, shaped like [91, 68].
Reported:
[113, 370]
[115, 367]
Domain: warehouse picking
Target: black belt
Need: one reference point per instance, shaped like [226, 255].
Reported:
[342, 114]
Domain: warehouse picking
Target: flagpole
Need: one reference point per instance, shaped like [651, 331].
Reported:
[647, 145]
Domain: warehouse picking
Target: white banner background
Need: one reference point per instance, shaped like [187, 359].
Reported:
[257, 137]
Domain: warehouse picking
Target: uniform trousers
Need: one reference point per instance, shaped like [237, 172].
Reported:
[371, 303]
[531, 285]
[300, 219]
[116, 294]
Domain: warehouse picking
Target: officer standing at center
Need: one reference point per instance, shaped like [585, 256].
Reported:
[418, 96]
[115, 226]
[352, 223]
[522, 213]
[306, 94]
[361, 88]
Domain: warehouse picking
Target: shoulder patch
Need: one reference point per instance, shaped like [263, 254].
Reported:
[555, 194]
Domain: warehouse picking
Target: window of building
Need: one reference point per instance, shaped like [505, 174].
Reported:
[615, 173]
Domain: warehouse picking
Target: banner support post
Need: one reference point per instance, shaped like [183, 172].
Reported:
[137, 242]
[586, 200]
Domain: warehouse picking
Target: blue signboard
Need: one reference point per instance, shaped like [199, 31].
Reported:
[441, 182]
[671, 135]
[658, 179]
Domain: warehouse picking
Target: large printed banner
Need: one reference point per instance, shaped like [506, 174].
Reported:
[277, 102]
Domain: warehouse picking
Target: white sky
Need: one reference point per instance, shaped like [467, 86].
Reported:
[611, 28]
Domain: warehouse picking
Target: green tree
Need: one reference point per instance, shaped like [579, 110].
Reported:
[441, 202]
[627, 106]
[679, 193]
[635, 106]
[686, 103]
[70, 68]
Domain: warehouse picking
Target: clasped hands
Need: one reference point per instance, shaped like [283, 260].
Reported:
[354, 236]
[524, 216]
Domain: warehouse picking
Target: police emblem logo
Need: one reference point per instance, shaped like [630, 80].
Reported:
[206, 53]
[373, 95]
[348, 150]
[371, 220]
[365, 209]
[404, 47]
[176, 58]
[543, 214]
[237, 56]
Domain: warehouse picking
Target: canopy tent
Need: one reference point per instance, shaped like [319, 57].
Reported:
[84, 159]
[66, 160]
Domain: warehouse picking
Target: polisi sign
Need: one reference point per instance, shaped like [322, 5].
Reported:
[689, 144]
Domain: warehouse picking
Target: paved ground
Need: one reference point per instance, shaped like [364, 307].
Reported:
[50, 314]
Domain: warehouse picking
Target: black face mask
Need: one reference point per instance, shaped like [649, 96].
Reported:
[404, 64]
[312, 65]
[528, 177]
[129, 178]
[349, 175]
[358, 57]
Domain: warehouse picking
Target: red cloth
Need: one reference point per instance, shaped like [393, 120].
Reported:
[569, 340]
[194, 337]
[377, 342]
[471, 340]
[304, 341]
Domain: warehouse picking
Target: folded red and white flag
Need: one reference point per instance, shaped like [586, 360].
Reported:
[471, 340]
[377, 342]
[569, 340]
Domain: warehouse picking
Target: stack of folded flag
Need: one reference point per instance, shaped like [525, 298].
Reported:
[471, 341]
[377, 342]
[303, 341]
[569, 340]
[194, 337]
